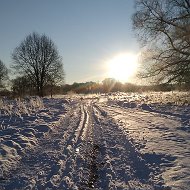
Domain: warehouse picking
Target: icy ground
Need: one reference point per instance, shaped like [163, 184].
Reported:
[102, 142]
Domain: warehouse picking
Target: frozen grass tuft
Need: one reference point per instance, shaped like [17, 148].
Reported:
[19, 107]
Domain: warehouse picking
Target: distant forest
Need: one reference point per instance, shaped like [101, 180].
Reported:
[22, 88]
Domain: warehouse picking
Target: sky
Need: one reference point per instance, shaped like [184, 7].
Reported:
[87, 33]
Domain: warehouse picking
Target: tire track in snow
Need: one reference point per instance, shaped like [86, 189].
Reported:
[121, 166]
[76, 164]
[81, 133]
[85, 169]
[84, 166]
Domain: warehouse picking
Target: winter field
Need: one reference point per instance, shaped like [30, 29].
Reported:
[134, 141]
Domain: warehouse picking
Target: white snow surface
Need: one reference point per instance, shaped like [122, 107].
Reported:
[130, 141]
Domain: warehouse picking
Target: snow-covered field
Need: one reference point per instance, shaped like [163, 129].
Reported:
[106, 141]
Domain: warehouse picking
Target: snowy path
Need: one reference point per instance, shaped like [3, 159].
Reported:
[102, 147]
[123, 167]
[161, 141]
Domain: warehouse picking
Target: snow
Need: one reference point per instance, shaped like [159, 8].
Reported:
[106, 141]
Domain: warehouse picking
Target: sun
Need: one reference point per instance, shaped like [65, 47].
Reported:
[123, 67]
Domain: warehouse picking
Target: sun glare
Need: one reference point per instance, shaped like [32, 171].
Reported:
[123, 67]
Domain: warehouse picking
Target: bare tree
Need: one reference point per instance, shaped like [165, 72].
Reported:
[163, 27]
[37, 58]
[3, 74]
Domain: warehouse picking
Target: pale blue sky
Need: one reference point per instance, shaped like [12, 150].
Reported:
[86, 32]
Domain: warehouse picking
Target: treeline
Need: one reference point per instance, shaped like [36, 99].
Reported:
[22, 87]
[111, 85]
